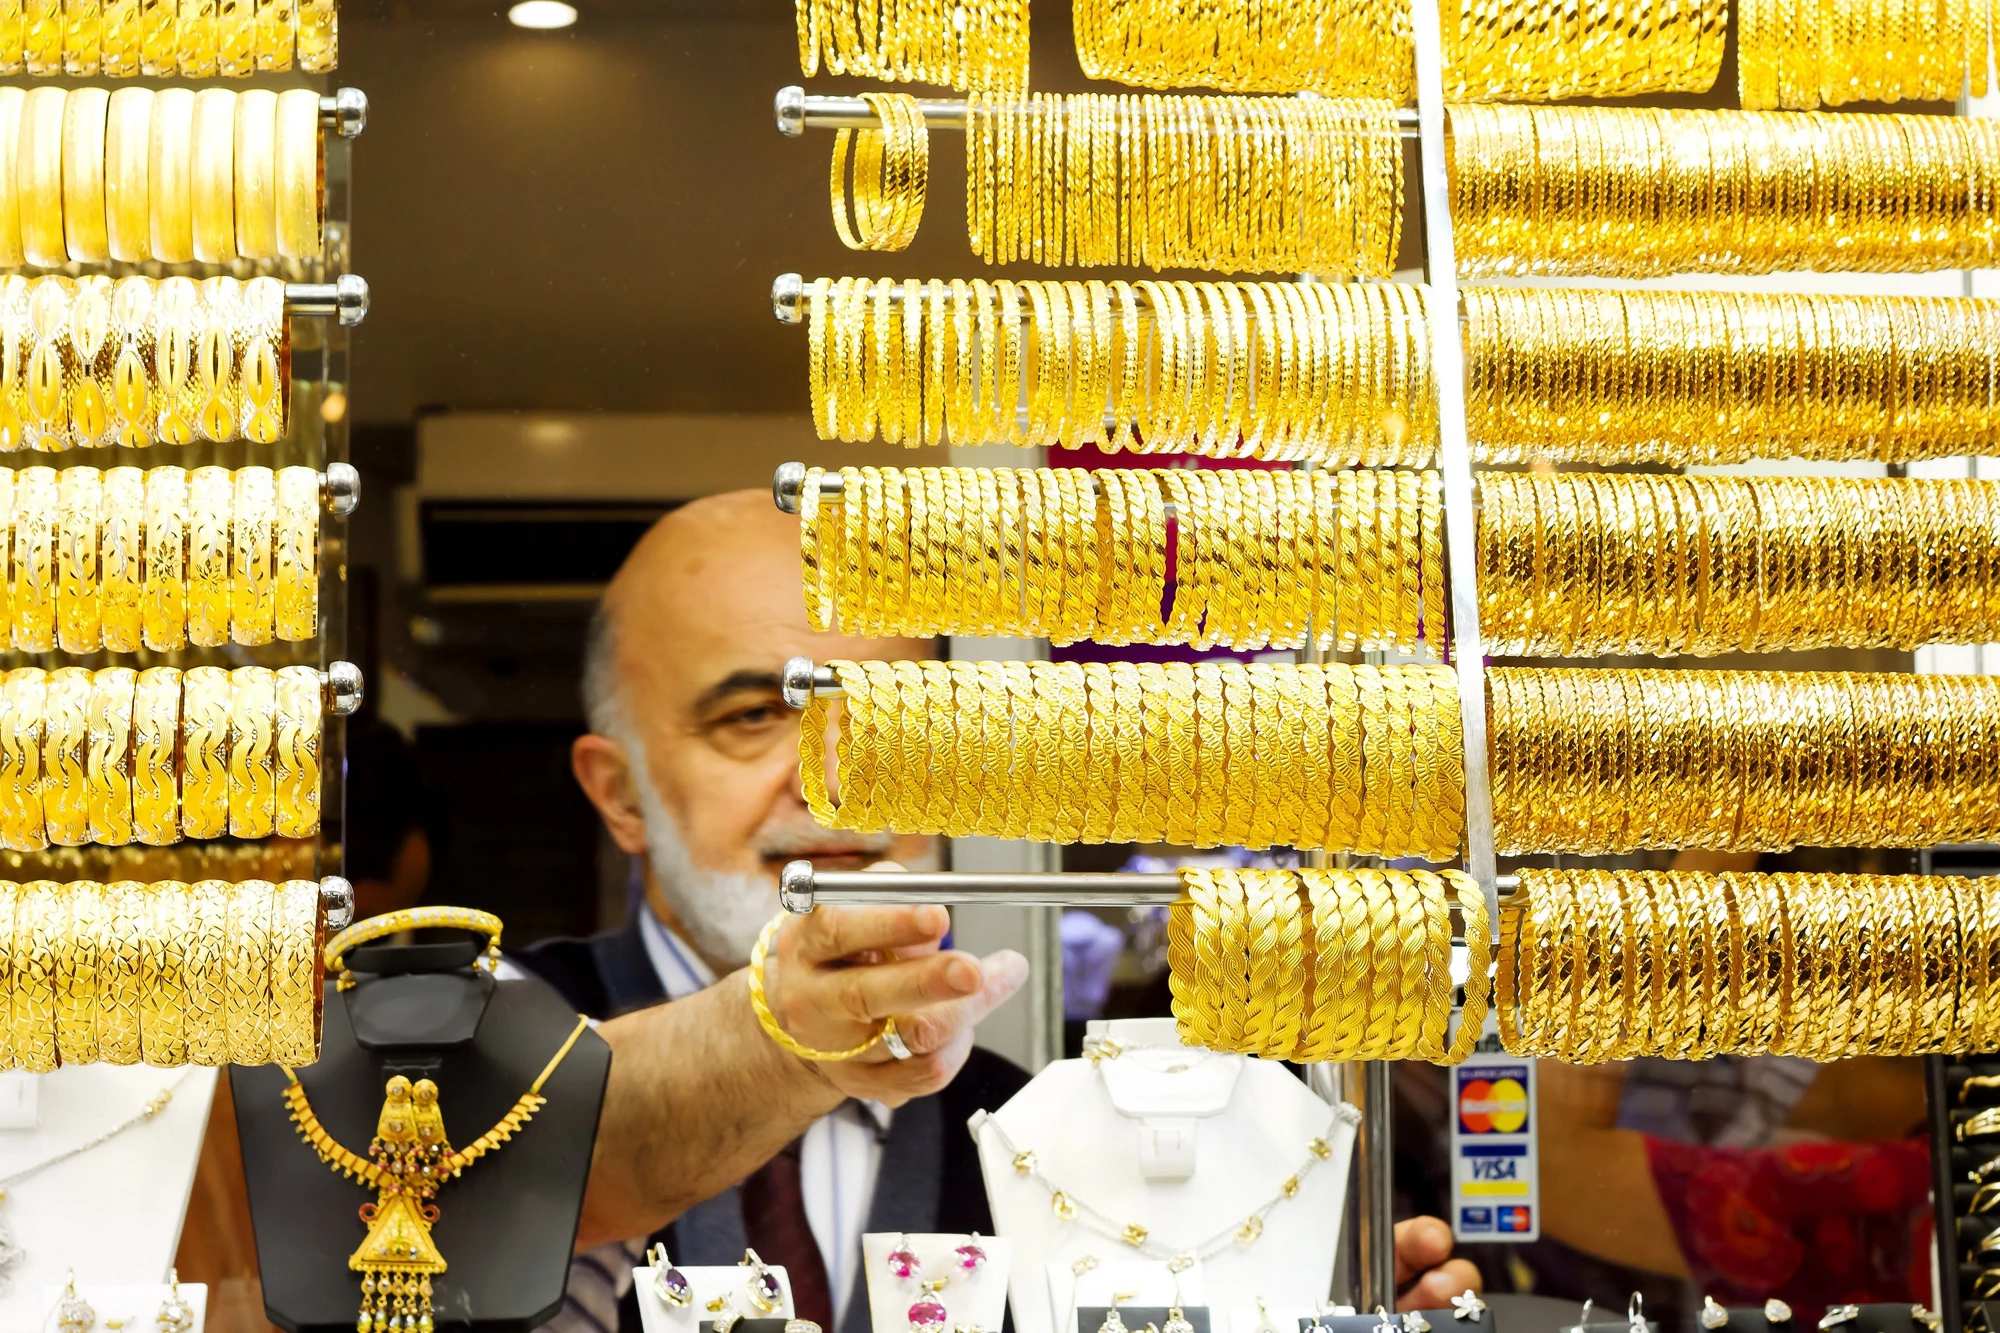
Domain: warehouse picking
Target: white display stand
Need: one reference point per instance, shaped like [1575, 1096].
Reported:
[1183, 1141]
[112, 1214]
[137, 1303]
[1132, 1283]
[708, 1284]
[978, 1298]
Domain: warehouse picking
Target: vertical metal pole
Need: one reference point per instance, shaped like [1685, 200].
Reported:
[1378, 1190]
[1454, 453]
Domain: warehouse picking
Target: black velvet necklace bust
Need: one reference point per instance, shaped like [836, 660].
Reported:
[508, 1224]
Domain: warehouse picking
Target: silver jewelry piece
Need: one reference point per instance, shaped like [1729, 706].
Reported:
[1925, 1317]
[763, 1288]
[1388, 1321]
[1414, 1322]
[1839, 1315]
[801, 1326]
[1712, 1315]
[1176, 1322]
[669, 1283]
[893, 1041]
[1635, 1313]
[73, 1313]
[1467, 1305]
[175, 1315]
[1113, 1321]
[1777, 1312]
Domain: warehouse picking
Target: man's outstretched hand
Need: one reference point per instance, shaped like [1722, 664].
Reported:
[1427, 1277]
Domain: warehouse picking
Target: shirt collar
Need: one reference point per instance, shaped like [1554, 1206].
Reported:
[679, 968]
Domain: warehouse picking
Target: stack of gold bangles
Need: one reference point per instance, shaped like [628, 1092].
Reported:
[163, 38]
[161, 558]
[1333, 372]
[1537, 51]
[96, 361]
[1715, 377]
[1610, 964]
[1597, 762]
[1363, 758]
[269, 858]
[1802, 54]
[891, 174]
[1261, 557]
[117, 755]
[981, 44]
[1584, 563]
[208, 973]
[88, 176]
[1326, 964]
[1232, 184]
[1639, 192]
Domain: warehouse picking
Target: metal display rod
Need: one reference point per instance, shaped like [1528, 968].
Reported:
[796, 111]
[345, 112]
[789, 482]
[346, 296]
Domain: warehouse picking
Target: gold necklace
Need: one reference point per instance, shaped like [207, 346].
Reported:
[408, 1160]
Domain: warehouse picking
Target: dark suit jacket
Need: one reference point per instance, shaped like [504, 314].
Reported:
[929, 1180]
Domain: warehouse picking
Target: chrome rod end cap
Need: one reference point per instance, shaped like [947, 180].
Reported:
[796, 681]
[795, 887]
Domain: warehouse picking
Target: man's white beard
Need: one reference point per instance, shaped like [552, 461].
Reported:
[722, 911]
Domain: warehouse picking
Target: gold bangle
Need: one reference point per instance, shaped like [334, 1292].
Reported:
[195, 38]
[83, 148]
[411, 918]
[42, 36]
[208, 541]
[295, 973]
[48, 365]
[159, 39]
[206, 971]
[295, 549]
[81, 942]
[79, 507]
[163, 598]
[277, 21]
[264, 361]
[253, 604]
[300, 715]
[177, 314]
[170, 178]
[253, 707]
[109, 764]
[215, 359]
[120, 560]
[21, 823]
[235, 38]
[13, 104]
[256, 166]
[39, 925]
[213, 175]
[156, 730]
[300, 170]
[163, 986]
[41, 178]
[131, 354]
[247, 1017]
[318, 35]
[119, 39]
[120, 971]
[65, 771]
[769, 1021]
[205, 699]
[90, 386]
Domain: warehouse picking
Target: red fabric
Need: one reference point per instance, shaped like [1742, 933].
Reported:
[1811, 1223]
[774, 1218]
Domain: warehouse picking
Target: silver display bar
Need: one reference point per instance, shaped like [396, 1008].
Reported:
[345, 112]
[789, 481]
[346, 296]
[797, 111]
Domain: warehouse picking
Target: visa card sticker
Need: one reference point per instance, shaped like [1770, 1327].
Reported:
[1495, 1184]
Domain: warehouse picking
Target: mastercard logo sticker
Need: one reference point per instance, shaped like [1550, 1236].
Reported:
[1498, 1106]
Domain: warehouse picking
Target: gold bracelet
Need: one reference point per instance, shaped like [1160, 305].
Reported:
[295, 973]
[264, 362]
[41, 178]
[22, 828]
[83, 146]
[119, 39]
[156, 731]
[109, 762]
[213, 382]
[256, 164]
[247, 1012]
[253, 604]
[210, 493]
[253, 707]
[411, 918]
[318, 35]
[205, 965]
[299, 719]
[205, 700]
[300, 166]
[120, 971]
[295, 544]
[13, 103]
[235, 38]
[42, 37]
[883, 1032]
[81, 943]
[163, 594]
[121, 538]
[277, 23]
[163, 998]
[170, 175]
[40, 925]
[79, 506]
[65, 767]
[195, 39]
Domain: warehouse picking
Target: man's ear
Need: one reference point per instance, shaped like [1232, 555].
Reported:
[605, 775]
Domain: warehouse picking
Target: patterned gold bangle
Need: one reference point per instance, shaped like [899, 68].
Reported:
[206, 973]
[83, 217]
[80, 911]
[163, 998]
[178, 314]
[299, 719]
[253, 710]
[65, 768]
[264, 360]
[210, 497]
[216, 354]
[195, 39]
[247, 1016]
[156, 730]
[170, 175]
[109, 771]
[120, 972]
[34, 559]
[769, 1021]
[277, 24]
[253, 513]
[318, 35]
[79, 509]
[21, 695]
[295, 973]
[205, 700]
[300, 167]
[40, 923]
[120, 559]
[164, 595]
[235, 38]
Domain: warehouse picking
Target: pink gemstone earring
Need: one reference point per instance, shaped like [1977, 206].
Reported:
[970, 1257]
[903, 1262]
[927, 1314]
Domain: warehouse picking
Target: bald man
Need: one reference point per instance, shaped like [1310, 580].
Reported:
[692, 761]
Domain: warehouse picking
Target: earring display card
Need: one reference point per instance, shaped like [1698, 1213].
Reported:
[707, 1286]
[1884, 1318]
[1136, 1318]
[973, 1270]
[772, 1325]
[1131, 1283]
[1471, 1315]
[137, 1304]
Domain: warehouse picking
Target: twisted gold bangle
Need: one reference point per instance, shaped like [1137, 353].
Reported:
[769, 1021]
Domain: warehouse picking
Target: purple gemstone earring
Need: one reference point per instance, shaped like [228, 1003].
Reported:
[903, 1262]
[669, 1283]
[765, 1293]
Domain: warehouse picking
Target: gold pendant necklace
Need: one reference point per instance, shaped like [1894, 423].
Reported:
[407, 1161]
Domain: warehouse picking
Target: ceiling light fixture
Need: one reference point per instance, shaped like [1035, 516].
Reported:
[542, 14]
